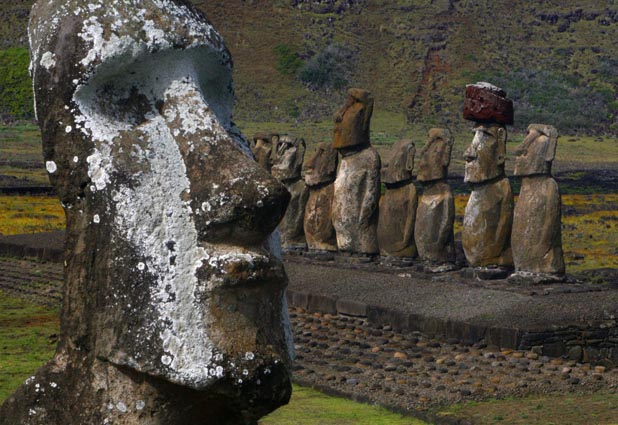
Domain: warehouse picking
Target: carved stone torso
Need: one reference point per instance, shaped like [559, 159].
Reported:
[355, 205]
[292, 232]
[536, 237]
[319, 230]
[488, 218]
[396, 221]
[434, 223]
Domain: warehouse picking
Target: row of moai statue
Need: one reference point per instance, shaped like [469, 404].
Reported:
[339, 207]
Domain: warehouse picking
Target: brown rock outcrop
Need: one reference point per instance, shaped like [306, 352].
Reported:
[174, 308]
[262, 148]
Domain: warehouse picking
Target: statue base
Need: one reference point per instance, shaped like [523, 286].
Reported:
[354, 258]
[487, 273]
[390, 261]
[432, 268]
[530, 278]
[320, 255]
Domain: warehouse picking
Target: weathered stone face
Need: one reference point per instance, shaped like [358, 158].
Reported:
[320, 173]
[352, 121]
[289, 159]
[537, 238]
[400, 164]
[486, 154]
[262, 149]
[537, 151]
[488, 219]
[355, 205]
[321, 168]
[170, 270]
[435, 156]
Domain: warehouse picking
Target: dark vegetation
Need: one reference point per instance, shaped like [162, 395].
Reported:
[556, 59]
[15, 85]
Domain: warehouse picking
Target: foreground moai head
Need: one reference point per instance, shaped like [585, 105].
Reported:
[435, 156]
[537, 151]
[262, 148]
[289, 158]
[352, 121]
[321, 168]
[174, 294]
[400, 164]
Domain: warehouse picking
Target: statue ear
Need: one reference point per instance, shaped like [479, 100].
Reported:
[550, 154]
[410, 158]
[501, 138]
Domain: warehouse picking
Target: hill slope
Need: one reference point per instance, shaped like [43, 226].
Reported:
[557, 59]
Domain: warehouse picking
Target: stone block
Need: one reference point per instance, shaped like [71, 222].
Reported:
[487, 103]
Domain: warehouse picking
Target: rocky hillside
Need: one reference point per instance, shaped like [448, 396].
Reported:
[557, 59]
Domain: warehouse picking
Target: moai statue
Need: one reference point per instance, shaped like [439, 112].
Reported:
[357, 187]
[320, 173]
[262, 148]
[287, 168]
[536, 237]
[435, 215]
[398, 205]
[488, 218]
[174, 307]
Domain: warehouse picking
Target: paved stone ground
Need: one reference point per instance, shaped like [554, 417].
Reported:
[413, 373]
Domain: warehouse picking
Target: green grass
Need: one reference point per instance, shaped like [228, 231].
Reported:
[26, 340]
[310, 407]
[573, 409]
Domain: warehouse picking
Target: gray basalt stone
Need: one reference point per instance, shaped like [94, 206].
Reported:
[488, 217]
[435, 215]
[320, 174]
[287, 168]
[536, 237]
[398, 205]
[174, 309]
[357, 187]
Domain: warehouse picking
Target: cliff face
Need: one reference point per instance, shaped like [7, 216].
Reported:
[556, 59]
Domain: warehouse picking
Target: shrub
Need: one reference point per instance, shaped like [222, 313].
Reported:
[328, 69]
[16, 99]
[288, 61]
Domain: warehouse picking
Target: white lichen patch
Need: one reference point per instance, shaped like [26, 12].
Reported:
[68, 129]
[51, 167]
[48, 60]
[96, 219]
[139, 405]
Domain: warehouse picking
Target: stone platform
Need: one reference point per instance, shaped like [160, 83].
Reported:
[577, 320]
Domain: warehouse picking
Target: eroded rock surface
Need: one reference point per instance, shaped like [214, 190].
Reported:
[398, 205]
[537, 238]
[287, 168]
[262, 148]
[320, 174]
[357, 187]
[174, 309]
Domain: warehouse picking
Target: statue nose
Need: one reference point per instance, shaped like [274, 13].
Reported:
[469, 154]
[235, 201]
